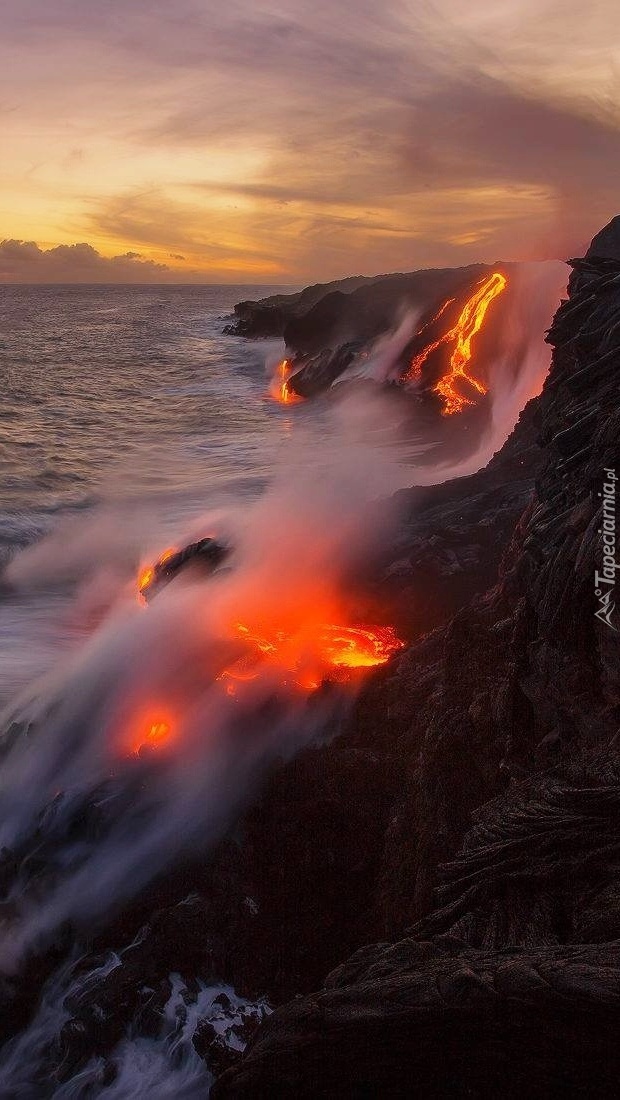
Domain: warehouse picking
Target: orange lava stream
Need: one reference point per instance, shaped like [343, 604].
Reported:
[280, 389]
[307, 658]
[469, 323]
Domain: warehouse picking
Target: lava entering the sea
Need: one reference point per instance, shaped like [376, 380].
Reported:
[295, 661]
[280, 389]
[469, 323]
[147, 574]
[309, 642]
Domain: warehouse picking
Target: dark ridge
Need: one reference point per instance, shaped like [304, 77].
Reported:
[313, 318]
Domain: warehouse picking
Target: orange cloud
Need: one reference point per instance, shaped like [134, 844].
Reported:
[305, 140]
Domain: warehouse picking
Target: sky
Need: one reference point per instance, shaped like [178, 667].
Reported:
[294, 141]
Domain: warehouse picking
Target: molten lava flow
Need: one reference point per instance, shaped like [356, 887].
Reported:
[468, 324]
[146, 575]
[280, 389]
[306, 657]
[358, 647]
[167, 554]
[415, 367]
[149, 730]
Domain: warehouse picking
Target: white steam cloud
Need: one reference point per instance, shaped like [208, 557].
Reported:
[82, 759]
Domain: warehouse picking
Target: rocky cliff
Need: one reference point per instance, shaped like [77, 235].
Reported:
[328, 315]
[269, 316]
[494, 848]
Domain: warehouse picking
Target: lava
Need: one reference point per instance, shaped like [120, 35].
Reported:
[151, 729]
[280, 389]
[256, 648]
[158, 731]
[146, 575]
[297, 660]
[358, 647]
[305, 657]
[469, 323]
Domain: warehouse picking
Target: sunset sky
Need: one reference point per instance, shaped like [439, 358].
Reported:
[298, 140]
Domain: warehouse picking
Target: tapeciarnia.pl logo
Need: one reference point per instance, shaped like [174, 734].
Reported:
[605, 581]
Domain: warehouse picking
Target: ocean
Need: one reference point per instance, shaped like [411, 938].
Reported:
[127, 399]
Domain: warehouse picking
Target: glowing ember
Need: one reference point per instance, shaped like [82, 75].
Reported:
[158, 731]
[146, 576]
[280, 389]
[468, 324]
[149, 730]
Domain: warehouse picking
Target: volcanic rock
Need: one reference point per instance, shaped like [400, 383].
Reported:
[453, 535]
[441, 1020]
[606, 243]
[269, 316]
[329, 315]
[498, 847]
[318, 373]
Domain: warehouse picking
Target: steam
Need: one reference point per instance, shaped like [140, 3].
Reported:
[381, 364]
[516, 375]
[75, 751]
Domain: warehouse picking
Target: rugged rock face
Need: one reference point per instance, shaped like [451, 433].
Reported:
[372, 308]
[442, 1020]
[498, 846]
[322, 343]
[269, 316]
[330, 314]
[606, 244]
[454, 534]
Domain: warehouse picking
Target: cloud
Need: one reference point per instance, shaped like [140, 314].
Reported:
[25, 262]
[480, 129]
[311, 139]
[157, 219]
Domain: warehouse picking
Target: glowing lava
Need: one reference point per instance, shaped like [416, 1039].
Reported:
[146, 576]
[310, 655]
[469, 323]
[358, 647]
[150, 730]
[280, 389]
[158, 731]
